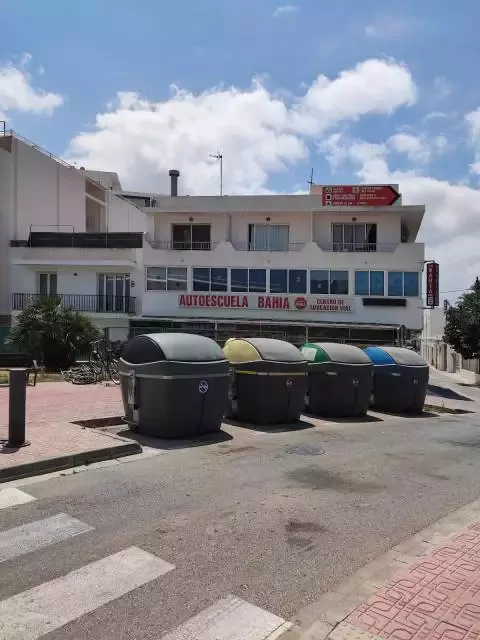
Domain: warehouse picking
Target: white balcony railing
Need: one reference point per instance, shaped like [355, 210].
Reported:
[359, 247]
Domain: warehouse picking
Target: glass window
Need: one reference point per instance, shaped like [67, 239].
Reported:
[201, 279]
[278, 281]
[191, 236]
[268, 237]
[377, 283]
[339, 283]
[297, 281]
[319, 281]
[218, 279]
[239, 278]
[156, 279]
[411, 284]
[362, 287]
[257, 280]
[395, 283]
[176, 278]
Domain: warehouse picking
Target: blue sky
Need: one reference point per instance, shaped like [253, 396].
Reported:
[427, 133]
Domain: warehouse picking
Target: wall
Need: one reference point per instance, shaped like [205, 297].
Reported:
[6, 224]
[124, 216]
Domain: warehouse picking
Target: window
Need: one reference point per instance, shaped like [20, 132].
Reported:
[268, 237]
[339, 283]
[278, 281]
[209, 279]
[248, 280]
[355, 236]
[47, 284]
[166, 278]
[319, 282]
[297, 281]
[411, 286]
[395, 283]
[195, 237]
[328, 282]
[369, 283]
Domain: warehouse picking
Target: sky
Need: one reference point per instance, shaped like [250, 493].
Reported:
[380, 92]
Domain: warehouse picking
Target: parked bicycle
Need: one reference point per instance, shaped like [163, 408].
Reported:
[103, 362]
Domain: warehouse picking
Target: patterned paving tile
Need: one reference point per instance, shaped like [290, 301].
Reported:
[436, 598]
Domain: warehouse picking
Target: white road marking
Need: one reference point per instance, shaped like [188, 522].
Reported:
[33, 613]
[230, 619]
[10, 497]
[41, 533]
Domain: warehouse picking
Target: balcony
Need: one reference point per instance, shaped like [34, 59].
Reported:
[80, 302]
[359, 247]
[62, 239]
[182, 246]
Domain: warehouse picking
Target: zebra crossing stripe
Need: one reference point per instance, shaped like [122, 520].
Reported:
[41, 533]
[231, 619]
[31, 614]
[10, 497]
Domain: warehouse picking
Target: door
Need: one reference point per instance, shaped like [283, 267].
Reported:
[113, 292]
[47, 284]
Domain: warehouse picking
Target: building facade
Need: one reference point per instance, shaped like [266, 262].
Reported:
[298, 267]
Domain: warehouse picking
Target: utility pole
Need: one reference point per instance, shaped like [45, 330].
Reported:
[219, 156]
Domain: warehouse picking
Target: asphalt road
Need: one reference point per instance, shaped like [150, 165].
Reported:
[275, 519]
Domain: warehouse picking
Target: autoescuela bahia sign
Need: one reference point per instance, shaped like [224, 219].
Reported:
[265, 302]
[356, 195]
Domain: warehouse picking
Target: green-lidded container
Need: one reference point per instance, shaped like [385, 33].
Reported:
[340, 379]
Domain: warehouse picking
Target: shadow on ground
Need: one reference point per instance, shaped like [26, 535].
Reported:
[345, 419]
[202, 440]
[298, 425]
[444, 392]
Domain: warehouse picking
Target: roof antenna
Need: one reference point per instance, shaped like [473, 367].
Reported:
[219, 156]
[310, 182]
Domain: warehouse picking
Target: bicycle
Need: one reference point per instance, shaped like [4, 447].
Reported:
[103, 362]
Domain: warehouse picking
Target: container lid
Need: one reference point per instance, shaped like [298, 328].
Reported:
[395, 355]
[181, 347]
[253, 349]
[334, 352]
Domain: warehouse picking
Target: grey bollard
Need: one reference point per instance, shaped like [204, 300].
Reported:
[16, 409]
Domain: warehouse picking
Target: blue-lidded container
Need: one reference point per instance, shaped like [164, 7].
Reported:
[400, 379]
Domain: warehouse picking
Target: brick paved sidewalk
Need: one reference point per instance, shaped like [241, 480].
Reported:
[56, 443]
[425, 589]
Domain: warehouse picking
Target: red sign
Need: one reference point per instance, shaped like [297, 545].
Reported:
[433, 282]
[285, 303]
[359, 195]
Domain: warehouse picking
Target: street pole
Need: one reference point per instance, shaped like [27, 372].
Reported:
[17, 399]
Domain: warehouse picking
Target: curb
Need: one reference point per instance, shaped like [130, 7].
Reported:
[66, 462]
[325, 619]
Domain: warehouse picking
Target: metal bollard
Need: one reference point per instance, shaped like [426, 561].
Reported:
[16, 409]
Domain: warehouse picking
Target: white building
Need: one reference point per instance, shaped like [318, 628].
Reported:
[292, 266]
[62, 232]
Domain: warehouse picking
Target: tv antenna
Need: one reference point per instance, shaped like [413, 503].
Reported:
[219, 156]
[310, 182]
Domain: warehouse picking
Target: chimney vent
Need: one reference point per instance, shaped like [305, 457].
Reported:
[174, 175]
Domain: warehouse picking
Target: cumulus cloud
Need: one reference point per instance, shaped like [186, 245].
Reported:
[285, 9]
[259, 133]
[472, 120]
[17, 92]
[450, 226]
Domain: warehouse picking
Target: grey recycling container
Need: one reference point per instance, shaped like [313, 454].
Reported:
[174, 384]
[400, 379]
[269, 380]
[340, 379]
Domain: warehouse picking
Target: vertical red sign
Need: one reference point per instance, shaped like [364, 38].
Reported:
[433, 292]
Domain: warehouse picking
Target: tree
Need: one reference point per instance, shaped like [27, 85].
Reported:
[462, 324]
[51, 334]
